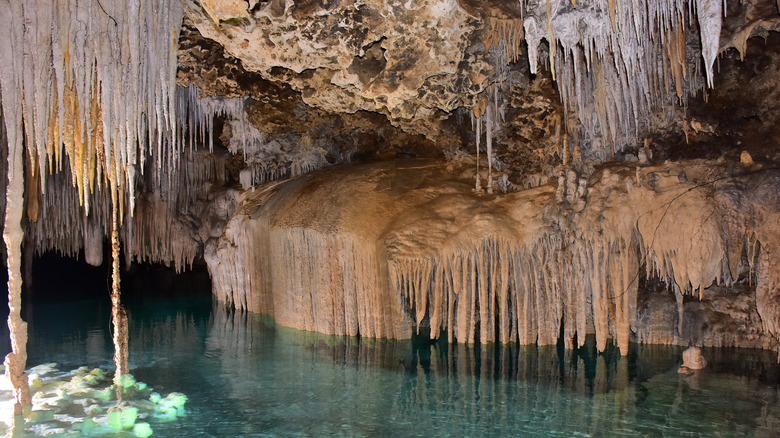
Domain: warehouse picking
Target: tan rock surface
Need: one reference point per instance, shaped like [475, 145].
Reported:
[382, 249]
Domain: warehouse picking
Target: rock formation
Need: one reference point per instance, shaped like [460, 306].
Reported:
[692, 359]
[578, 163]
[379, 250]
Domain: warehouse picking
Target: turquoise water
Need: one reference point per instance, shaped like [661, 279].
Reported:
[244, 376]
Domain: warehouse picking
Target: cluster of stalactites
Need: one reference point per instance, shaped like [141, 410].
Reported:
[265, 157]
[506, 32]
[585, 279]
[616, 60]
[94, 80]
[280, 272]
[500, 292]
[486, 113]
[64, 226]
[197, 114]
[159, 236]
[154, 235]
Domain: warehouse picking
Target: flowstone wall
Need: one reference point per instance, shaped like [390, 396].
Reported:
[383, 249]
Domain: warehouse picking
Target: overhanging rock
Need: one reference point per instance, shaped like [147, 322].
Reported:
[379, 250]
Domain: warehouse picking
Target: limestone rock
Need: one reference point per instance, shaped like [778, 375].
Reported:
[692, 359]
[406, 60]
[383, 249]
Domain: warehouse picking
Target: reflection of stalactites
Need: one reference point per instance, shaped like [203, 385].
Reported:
[621, 387]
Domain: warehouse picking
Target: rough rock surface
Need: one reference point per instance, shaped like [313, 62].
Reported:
[723, 317]
[406, 60]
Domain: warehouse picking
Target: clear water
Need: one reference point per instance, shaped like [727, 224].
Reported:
[244, 376]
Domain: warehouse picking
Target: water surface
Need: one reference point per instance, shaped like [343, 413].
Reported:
[245, 376]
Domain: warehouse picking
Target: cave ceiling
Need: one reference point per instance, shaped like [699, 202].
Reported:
[278, 88]
[380, 79]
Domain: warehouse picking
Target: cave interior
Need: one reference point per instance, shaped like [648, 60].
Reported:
[508, 171]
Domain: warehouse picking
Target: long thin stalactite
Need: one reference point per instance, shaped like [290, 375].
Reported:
[118, 312]
[10, 79]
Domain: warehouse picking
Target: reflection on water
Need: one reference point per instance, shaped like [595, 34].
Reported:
[244, 376]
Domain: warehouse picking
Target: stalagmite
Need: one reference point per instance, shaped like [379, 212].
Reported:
[560, 192]
[678, 298]
[693, 359]
[642, 155]
[582, 191]
[571, 186]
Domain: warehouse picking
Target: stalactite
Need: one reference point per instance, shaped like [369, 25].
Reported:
[158, 236]
[710, 15]
[478, 183]
[32, 192]
[11, 77]
[344, 297]
[675, 51]
[66, 227]
[497, 279]
[489, 121]
[81, 73]
[118, 312]
[508, 32]
[489, 114]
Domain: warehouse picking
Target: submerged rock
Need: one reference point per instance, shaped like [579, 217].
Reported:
[692, 359]
[685, 371]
